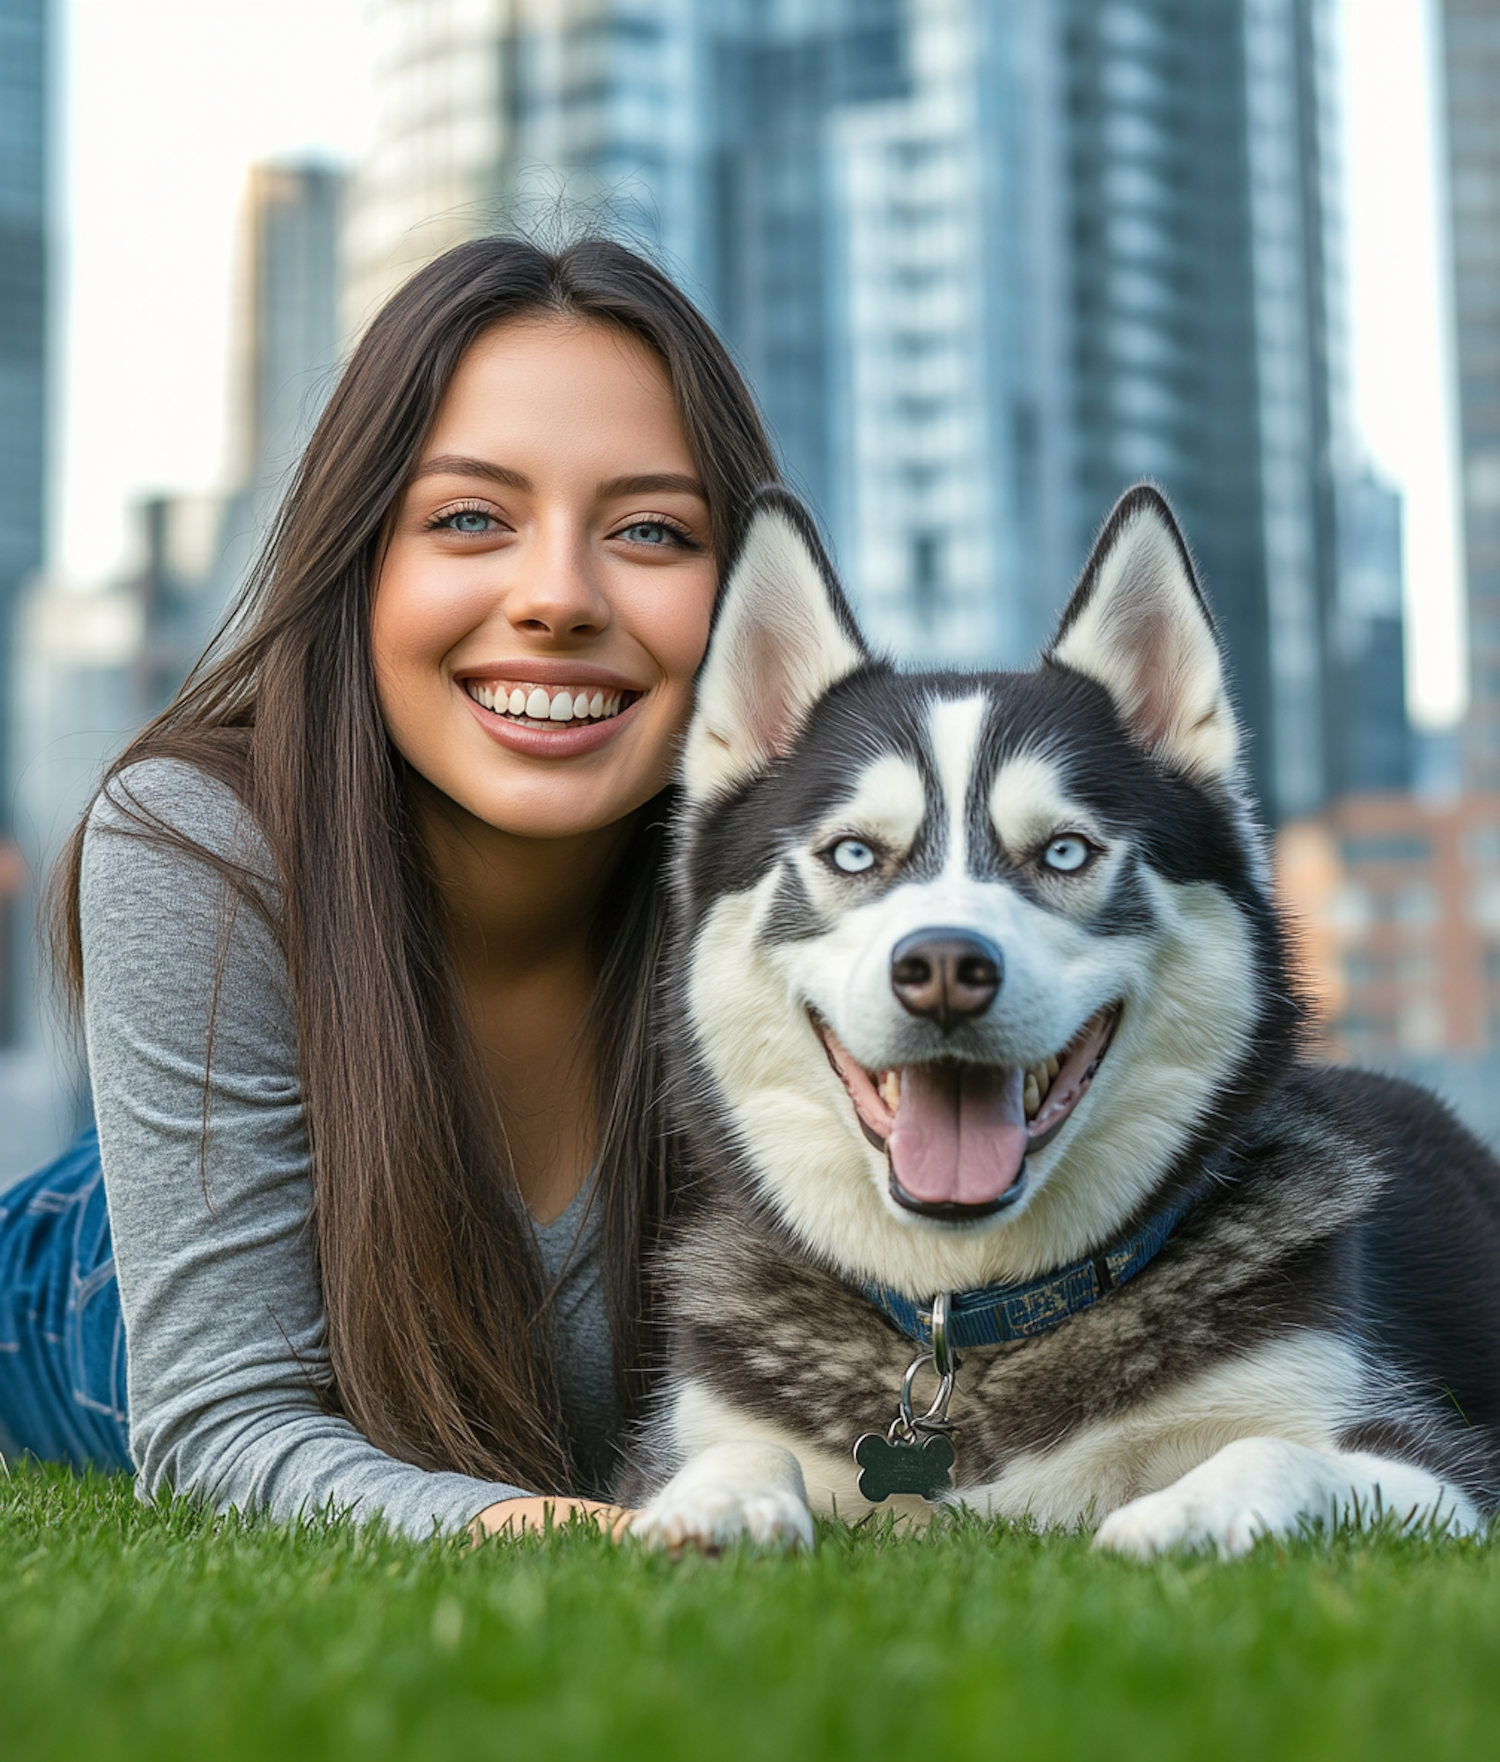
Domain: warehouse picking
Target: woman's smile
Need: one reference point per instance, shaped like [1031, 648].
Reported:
[580, 713]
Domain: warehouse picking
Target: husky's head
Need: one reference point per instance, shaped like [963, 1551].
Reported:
[970, 961]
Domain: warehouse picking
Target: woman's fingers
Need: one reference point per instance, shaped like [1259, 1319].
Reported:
[514, 1517]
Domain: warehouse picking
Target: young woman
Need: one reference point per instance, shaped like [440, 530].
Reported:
[364, 930]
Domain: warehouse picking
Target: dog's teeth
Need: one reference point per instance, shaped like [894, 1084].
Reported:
[1053, 1065]
[890, 1089]
[1032, 1096]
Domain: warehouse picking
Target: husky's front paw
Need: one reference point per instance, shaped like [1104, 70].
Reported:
[732, 1491]
[1268, 1487]
[712, 1517]
[1251, 1488]
[1179, 1518]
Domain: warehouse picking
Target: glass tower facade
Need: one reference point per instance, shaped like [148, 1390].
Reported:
[1205, 327]
[24, 26]
[23, 309]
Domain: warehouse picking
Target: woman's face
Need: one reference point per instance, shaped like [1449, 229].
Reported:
[545, 594]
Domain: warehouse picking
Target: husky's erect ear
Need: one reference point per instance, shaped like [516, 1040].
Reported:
[782, 636]
[1137, 623]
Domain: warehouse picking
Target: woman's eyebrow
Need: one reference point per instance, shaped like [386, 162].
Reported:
[455, 465]
[649, 483]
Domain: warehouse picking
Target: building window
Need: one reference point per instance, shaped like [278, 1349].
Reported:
[1417, 969]
[1366, 1034]
[1421, 1026]
[1390, 847]
[1415, 904]
[1484, 906]
[927, 575]
[1484, 844]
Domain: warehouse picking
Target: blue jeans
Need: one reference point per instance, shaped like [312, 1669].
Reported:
[62, 1339]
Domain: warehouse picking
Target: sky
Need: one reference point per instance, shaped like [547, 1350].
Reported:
[165, 103]
[1399, 356]
[164, 106]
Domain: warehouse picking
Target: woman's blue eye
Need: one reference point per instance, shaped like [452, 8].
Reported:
[852, 857]
[1067, 853]
[469, 520]
[649, 532]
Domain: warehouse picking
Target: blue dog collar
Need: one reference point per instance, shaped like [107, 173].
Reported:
[999, 1313]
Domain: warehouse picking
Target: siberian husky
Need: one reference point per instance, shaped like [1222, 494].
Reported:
[1012, 1188]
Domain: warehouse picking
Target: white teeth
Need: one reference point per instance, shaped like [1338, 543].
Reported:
[537, 704]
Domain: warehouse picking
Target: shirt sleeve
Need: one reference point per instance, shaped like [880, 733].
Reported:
[224, 1321]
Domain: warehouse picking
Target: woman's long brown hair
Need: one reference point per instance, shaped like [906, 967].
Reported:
[430, 1274]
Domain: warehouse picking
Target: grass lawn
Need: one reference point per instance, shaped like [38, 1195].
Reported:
[128, 1631]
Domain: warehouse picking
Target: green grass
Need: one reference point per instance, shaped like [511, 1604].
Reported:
[130, 1631]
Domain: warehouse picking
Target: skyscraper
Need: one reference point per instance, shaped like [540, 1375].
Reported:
[431, 174]
[291, 328]
[986, 262]
[1205, 325]
[1471, 63]
[24, 29]
[1370, 746]
[290, 343]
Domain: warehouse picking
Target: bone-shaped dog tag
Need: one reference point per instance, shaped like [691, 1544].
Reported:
[924, 1466]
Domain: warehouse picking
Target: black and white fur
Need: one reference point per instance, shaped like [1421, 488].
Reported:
[1319, 1339]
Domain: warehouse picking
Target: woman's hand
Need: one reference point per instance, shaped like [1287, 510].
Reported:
[513, 1517]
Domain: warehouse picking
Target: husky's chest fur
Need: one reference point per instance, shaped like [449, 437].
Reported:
[974, 974]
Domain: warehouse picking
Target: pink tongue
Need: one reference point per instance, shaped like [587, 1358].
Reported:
[960, 1133]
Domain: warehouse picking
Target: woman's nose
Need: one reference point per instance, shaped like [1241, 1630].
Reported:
[556, 592]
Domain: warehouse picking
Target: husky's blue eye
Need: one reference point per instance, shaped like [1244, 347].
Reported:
[852, 857]
[1067, 853]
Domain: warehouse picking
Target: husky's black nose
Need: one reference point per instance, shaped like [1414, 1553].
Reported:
[949, 976]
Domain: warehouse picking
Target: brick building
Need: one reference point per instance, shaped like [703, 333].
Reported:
[1394, 905]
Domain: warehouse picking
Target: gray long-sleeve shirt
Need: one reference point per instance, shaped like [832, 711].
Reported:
[224, 1319]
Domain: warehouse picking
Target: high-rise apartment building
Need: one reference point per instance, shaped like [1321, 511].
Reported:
[1205, 325]
[24, 31]
[1471, 66]
[290, 324]
[1371, 748]
[431, 175]
[986, 262]
[290, 341]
